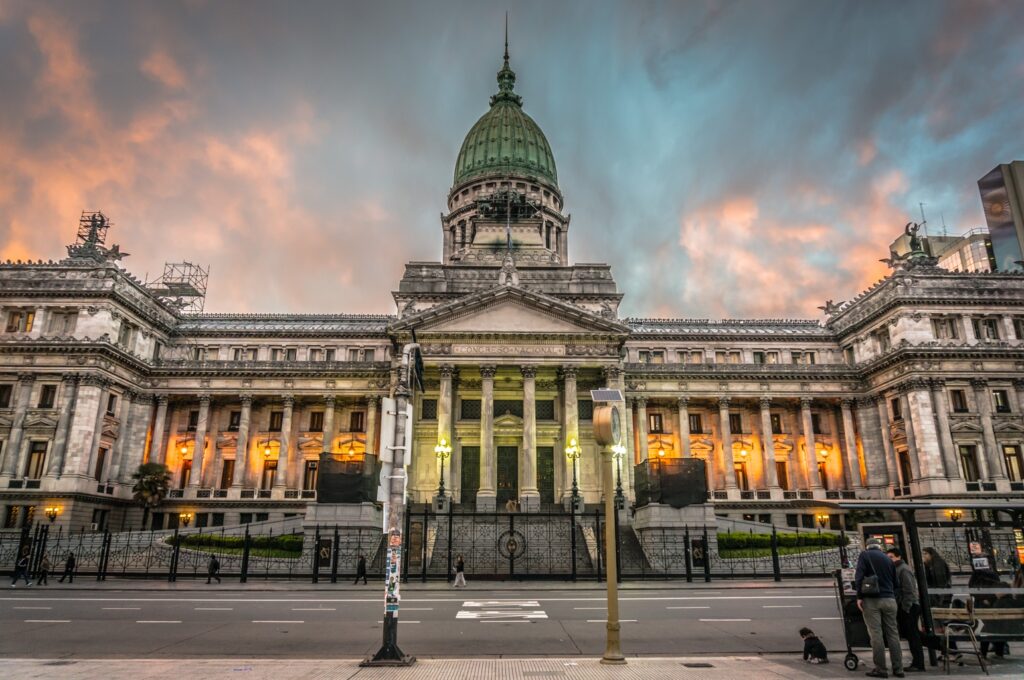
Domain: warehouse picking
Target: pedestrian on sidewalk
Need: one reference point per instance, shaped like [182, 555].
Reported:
[876, 586]
[909, 613]
[21, 569]
[460, 572]
[69, 569]
[360, 569]
[213, 569]
[44, 570]
[814, 648]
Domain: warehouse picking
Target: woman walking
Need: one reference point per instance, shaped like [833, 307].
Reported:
[460, 572]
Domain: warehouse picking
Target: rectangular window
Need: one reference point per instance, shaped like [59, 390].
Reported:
[945, 328]
[62, 324]
[5, 395]
[506, 407]
[735, 357]
[958, 399]
[897, 410]
[369, 355]
[759, 357]
[276, 354]
[848, 355]
[262, 516]
[193, 421]
[721, 357]
[643, 356]
[353, 355]
[969, 462]
[823, 474]
[1014, 466]
[101, 459]
[792, 521]
[20, 321]
[771, 357]
[202, 520]
[357, 421]
[316, 355]
[735, 423]
[11, 517]
[290, 354]
[807, 521]
[111, 404]
[657, 357]
[1018, 327]
[217, 519]
[36, 460]
[545, 409]
[882, 339]
[276, 421]
[782, 473]
[986, 329]
[316, 421]
[696, 423]
[329, 355]
[1000, 401]
[250, 354]
[47, 396]
[126, 335]
[269, 472]
[796, 357]
[309, 475]
[199, 353]
[816, 423]
[237, 354]
[585, 409]
[186, 474]
[234, 421]
[227, 473]
[654, 423]
[905, 469]
[469, 409]
[245, 518]
[428, 409]
[776, 420]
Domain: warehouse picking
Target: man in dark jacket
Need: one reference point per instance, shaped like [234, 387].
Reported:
[879, 607]
[909, 612]
[360, 570]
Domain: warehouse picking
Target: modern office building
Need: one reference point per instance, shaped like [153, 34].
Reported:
[1002, 197]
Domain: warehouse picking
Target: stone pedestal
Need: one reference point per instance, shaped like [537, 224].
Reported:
[529, 502]
[350, 515]
[486, 502]
[441, 503]
[661, 516]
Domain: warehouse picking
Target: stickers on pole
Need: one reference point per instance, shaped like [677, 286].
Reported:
[393, 575]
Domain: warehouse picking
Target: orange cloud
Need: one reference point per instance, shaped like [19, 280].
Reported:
[162, 68]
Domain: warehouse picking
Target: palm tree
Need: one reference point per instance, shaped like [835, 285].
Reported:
[152, 481]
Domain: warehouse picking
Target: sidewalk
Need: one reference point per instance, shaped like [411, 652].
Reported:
[698, 668]
[231, 584]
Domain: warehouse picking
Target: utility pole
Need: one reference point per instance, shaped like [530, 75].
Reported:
[608, 433]
[390, 654]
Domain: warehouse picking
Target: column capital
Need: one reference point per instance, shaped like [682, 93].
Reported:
[372, 400]
[937, 383]
[979, 383]
[567, 372]
[765, 402]
[245, 398]
[865, 402]
[640, 401]
[129, 395]
[204, 399]
[682, 402]
[723, 402]
[26, 378]
[161, 399]
[328, 400]
[805, 402]
[488, 372]
[914, 384]
[1019, 383]
[288, 400]
[611, 372]
[69, 378]
[446, 370]
[529, 372]
[846, 403]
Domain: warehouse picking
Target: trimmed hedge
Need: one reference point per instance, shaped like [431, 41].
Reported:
[286, 542]
[739, 541]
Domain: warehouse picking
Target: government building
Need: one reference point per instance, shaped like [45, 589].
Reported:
[912, 389]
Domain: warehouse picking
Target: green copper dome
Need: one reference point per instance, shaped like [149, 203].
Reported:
[506, 140]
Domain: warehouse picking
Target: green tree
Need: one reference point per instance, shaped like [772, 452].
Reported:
[152, 481]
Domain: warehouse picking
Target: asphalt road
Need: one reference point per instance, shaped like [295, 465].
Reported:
[44, 622]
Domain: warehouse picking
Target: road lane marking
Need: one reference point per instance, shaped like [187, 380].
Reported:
[33, 607]
[214, 609]
[606, 620]
[402, 621]
[510, 621]
[121, 608]
[700, 607]
[158, 622]
[717, 620]
[376, 601]
[825, 618]
[589, 608]
[417, 609]
[314, 609]
[278, 621]
[781, 606]
[47, 620]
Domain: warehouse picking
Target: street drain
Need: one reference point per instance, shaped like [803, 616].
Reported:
[60, 663]
[700, 664]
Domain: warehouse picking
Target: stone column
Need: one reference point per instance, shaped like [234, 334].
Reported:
[14, 440]
[908, 426]
[97, 429]
[983, 397]
[1019, 387]
[195, 478]
[682, 404]
[810, 454]
[771, 477]
[135, 445]
[529, 496]
[948, 450]
[728, 463]
[284, 457]
[797, 474]
[641, 422]
[486, 497]
[242, 444]
[572, 426]
[327, 446]
[124, 423]
[444, 423]
[158, 448]
[68, 392]
[371, 424]
[886, 430]
[851, 463]
[871, 442]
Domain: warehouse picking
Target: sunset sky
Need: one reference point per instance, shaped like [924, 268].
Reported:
[728, 159]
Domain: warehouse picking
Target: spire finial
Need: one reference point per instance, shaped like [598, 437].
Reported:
[506, 78]
[506, 38]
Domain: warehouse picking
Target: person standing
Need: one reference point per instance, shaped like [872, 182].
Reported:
[69, 569]
[21, 569]
[213, 569]
[876, 585]
[460, 572]
[360, 570]
[44, 570]
[909, 613]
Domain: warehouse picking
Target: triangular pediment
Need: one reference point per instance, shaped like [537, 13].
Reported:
[1007, 426]
[512, 310]
[965, 426]
[40, 423]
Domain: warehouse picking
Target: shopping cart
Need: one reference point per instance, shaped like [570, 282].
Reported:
[854, 629]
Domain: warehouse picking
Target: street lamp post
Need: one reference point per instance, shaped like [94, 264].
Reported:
[442, 451]
[185, 518]
[572, 452]
[618, 453]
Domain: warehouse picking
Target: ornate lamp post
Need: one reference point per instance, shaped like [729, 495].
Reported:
[52, 512]
[442, 451]
[955, 515]
[822, 519]
[572, 452]
[619, 452]
[185, 518]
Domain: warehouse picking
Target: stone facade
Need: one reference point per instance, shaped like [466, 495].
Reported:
[915, 388]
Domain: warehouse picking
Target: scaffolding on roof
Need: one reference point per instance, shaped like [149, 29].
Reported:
[183, 286]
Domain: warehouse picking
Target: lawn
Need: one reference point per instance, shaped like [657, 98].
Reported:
[739, 553]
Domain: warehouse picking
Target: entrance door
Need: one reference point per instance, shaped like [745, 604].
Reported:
[508, 474]
[470, 474]
[782, 473]
[546, 473]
